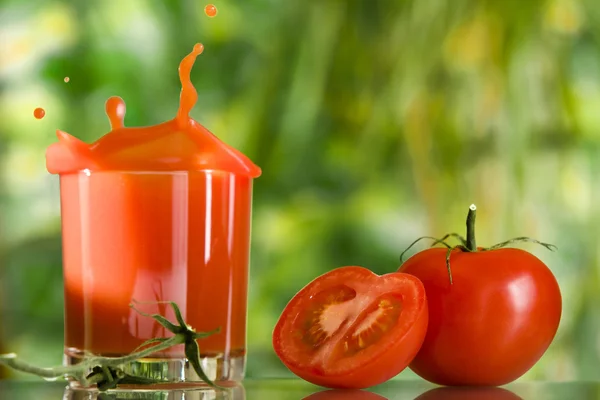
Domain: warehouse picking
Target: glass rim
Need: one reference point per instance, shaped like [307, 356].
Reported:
[89, 172]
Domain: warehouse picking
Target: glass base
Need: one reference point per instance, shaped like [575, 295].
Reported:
[178, 372]
[236, 392]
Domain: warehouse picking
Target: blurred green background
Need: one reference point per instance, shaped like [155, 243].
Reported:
[375, 122]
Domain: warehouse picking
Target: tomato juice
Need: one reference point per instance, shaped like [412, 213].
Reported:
[148, 237]
[154, 214]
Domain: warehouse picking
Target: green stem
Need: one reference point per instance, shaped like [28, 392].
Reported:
[436, 241]
[11, 360]
[549, 246]
[106, 372]
[115, 362]
[77, 370]
[448, 254]
[471, 244]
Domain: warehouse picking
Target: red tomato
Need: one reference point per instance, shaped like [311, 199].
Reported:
[493, 323]
[351, 328]
[472, 393]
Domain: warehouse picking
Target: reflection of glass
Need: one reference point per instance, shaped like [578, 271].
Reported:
[235, 392]
[344, 395]
[474, 393]
[156, 236]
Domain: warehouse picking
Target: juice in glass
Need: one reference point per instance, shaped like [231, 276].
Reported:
[154, 214]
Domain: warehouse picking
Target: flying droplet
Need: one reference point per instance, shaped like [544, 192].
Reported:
[115, 110]
[67, 79]
[210, 10]
[198, 48]
[39, 113]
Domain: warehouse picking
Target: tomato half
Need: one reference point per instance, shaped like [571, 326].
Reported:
[493, 323]
[351, 328]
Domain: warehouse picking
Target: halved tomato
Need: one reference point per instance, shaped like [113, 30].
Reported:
[351, 328]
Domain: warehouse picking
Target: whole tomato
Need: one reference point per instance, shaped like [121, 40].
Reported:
[492, 312]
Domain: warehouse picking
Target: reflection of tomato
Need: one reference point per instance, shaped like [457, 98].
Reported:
[351, 328]
[473, 393]
[338, 394]
[495, 320]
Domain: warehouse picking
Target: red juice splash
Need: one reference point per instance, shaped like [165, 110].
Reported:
[188, 96]
[210, 10]
[180, 144]
[115, 111]
[39, 113]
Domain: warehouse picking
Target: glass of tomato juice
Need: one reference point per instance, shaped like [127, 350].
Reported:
[152, 215]
[151, 237]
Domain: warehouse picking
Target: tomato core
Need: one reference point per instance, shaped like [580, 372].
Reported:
[327, 312]
[376, 321]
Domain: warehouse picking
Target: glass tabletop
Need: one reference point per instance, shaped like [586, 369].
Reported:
[292, 389]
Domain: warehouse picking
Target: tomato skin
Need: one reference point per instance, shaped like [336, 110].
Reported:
[365, 371]
[493, 323]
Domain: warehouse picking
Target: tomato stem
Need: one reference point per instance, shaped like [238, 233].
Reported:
[436, 241]
[471, 244]
[549, 246]
[448, 254]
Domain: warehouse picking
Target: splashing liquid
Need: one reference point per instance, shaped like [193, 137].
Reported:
[180, 144]
[115, 110]
[210, 10]
[189, 96]
[39, 113]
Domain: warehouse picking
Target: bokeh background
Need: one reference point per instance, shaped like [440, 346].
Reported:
[375, 122]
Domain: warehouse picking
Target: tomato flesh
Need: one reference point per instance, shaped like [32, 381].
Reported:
[351, 328]
[371, 328]
[325, 316]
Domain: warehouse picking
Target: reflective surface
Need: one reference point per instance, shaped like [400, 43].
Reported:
[299, 390]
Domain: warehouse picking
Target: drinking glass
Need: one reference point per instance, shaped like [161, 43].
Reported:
[147, 237]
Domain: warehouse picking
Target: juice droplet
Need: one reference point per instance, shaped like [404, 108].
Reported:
[67, 79]
[39, 113]
[210, 10]
[188, 96]
[115, 110]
